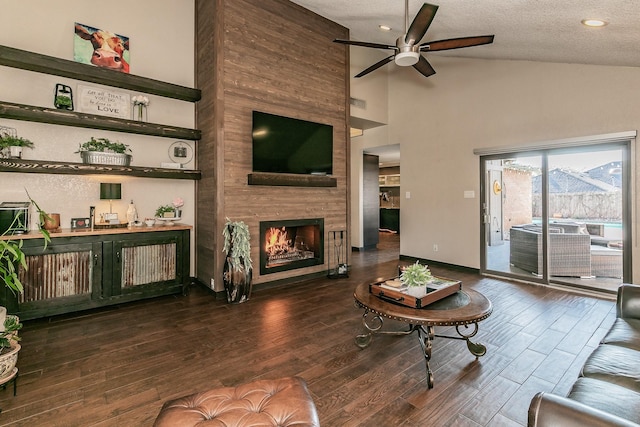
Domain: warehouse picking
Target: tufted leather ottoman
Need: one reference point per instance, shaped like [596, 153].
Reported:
[281, 402]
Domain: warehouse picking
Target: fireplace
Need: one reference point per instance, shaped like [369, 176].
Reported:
[290, 244]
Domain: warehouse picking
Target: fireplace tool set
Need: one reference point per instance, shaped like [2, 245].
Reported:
[340, 270]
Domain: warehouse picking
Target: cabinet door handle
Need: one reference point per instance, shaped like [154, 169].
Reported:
[118, 257]
[95, 260]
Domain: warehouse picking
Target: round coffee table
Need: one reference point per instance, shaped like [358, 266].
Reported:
[465, 307]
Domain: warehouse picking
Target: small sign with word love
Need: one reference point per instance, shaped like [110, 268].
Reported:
[104, 102]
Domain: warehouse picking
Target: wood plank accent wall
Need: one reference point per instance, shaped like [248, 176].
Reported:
[277, 57]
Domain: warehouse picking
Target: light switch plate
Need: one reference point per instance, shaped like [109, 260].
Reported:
[469, 194]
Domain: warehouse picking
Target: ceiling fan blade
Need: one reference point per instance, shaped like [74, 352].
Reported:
[375, 66]
[456, 43]
[420, 23]
[424, 67]
[365, 44]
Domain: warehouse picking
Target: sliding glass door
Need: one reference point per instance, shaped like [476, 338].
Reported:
[557, 215]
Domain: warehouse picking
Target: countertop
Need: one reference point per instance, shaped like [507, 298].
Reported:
[67, 232]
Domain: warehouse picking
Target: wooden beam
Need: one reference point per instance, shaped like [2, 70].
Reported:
[291, 180]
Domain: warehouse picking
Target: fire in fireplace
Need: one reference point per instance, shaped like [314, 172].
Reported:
[290, 244]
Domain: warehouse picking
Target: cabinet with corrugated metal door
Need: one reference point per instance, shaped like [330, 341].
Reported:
[78, 272]
[147, 265]
[64, 277]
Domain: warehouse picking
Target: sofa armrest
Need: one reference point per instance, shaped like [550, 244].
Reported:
[628, 304]
[549, 410]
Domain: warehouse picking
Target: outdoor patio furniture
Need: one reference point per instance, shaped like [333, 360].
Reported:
[569, 253]
[606, 262]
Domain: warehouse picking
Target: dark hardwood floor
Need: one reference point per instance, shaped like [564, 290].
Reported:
[116, 366]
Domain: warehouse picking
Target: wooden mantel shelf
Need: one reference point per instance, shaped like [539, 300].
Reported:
[72, 118]
[291, 180]
[31, 61]
[49, 167]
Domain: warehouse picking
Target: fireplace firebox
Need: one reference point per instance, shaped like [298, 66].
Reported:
[290, 244]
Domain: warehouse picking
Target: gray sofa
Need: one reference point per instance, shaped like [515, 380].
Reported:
[607, 392]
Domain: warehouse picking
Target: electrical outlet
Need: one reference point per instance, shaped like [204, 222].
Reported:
[435, 247]
[213, 283]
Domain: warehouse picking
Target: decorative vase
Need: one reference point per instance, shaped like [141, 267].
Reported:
[140, 112]
[52, 223]
[237, 283]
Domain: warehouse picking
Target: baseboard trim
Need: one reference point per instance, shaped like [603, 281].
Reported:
[456, 267]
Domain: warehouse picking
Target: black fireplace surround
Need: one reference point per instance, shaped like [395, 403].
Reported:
[290, 244]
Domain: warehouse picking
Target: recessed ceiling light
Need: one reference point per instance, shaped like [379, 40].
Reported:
[384, 27]
[594, 22]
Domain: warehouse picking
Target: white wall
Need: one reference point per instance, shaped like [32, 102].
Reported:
[162, 47]
[373, 89]
[487, 103]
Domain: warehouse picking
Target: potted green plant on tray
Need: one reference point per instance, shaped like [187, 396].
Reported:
[237, 272]
[11, 259]
[104, 152]
[415, 277]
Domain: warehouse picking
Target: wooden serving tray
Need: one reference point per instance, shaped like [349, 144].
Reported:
[441, 288]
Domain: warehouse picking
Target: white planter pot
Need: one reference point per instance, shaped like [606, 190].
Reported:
[8, 360]
[417, 291]
[15, 152]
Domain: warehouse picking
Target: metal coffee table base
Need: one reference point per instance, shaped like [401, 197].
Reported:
[426, 334]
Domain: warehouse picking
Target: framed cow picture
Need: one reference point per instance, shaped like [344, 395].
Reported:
[101, 48]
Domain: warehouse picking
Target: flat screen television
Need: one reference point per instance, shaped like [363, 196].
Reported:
[287, 145]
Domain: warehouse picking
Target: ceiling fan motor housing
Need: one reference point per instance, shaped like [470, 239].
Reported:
[408, 54]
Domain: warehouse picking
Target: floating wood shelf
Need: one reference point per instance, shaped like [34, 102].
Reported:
[291, 180]
[37, 166]
[72, 118]
[31, 61]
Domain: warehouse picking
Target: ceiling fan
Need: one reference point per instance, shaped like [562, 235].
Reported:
[407, 50]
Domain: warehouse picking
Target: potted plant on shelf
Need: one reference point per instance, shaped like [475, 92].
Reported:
[102, 151]
[416, 277]
[166, 211]
[11, 259]
[14, 144]
[236, 274]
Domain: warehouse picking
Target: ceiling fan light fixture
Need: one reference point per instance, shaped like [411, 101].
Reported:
[406, 59]
[594, 22]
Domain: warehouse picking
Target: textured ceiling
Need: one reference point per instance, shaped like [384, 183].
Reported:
[531, 30]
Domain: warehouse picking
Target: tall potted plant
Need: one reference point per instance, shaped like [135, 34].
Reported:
[237, 272]
[11, 259]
